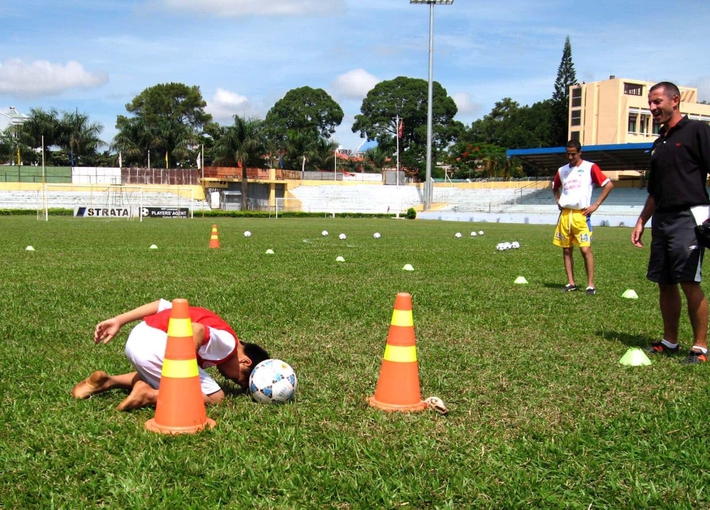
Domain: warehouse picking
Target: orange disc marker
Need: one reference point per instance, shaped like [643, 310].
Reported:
[181, 407]
[398, 385]
[214, 238]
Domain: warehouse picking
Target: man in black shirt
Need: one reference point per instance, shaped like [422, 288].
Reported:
[677, 201]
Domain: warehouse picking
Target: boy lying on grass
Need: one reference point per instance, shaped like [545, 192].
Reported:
[216, 344]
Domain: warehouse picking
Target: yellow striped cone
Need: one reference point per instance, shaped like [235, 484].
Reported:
[181, 406]
[214, 238]
[398, 385]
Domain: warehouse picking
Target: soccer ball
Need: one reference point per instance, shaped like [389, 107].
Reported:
[457, 235]
[324, 233]
[376, 235]
[515, 245]
[480, 232]
[473, 234]
[500, 247]
[342, 236]
[272, 382]
[247, 234]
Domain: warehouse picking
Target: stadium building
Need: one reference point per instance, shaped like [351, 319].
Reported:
[11, 117]
[615, 111]
[612, 121]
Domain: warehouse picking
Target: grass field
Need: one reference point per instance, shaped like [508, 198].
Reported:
[541, 412]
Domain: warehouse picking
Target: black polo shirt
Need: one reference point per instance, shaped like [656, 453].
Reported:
[680, 163]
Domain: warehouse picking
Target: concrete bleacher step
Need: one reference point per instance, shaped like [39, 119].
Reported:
[72, 199]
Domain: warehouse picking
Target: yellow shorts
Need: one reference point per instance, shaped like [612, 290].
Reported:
[573, 228]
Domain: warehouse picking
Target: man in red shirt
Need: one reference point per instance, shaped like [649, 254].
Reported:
[573, 186]
[216, 344]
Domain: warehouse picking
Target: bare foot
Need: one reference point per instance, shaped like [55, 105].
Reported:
[141, 395]
[95, 383]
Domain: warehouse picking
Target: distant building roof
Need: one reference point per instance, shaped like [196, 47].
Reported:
[622, 156]
[11, 117]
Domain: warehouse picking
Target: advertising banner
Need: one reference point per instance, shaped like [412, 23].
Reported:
[102, 212]
[165, 212]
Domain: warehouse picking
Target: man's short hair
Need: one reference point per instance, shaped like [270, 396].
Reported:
[255, 353]
[574, 144]
[670, 89]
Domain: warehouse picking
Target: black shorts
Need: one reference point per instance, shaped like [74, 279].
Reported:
[676, 255]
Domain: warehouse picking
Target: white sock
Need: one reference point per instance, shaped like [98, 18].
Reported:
[669, 344]
[704, 350]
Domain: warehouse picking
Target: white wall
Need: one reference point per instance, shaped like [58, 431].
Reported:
[95, 175]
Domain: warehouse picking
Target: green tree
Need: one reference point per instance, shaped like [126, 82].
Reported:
[242, 144]
[79, 137]
[166, 118]
[471, 161]
[407, 98]
[512, 126]
[40, 124]
[324, 155]
[566, 77]
[73, 133]
[376, 158]
[132, 140]
[304, 114]
[7, 145]
[306, 152]
[356, 164]
[211, 133]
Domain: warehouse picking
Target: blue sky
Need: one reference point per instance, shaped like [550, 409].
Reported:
[96, 55]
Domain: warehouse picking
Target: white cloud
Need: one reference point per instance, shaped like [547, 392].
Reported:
[43, 78]
[224, 105]
[238, 8]
[466, 104]
[355, 84]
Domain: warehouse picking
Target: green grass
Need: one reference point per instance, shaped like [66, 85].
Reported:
[541, 413]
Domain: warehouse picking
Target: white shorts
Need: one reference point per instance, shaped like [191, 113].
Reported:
[145, 349]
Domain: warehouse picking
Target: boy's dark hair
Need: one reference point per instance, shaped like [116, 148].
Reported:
[574, 144]
[255, 353]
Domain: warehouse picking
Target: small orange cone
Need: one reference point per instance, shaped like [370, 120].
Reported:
[181, 406]
[398, 385]
[214, 238]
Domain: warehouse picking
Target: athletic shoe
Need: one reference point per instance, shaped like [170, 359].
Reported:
[661, 348]
[569, 288]
[695, 357]
[591, 291]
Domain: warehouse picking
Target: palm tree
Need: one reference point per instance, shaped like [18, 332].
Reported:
[376, 157]
[6, 145]
[242, 144]
[78, 135]
[303, 149]
[132, 139]
[324, 153]
[40, 124]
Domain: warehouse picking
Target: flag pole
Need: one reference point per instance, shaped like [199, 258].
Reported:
[202, 167]
[397, 171]
[44, 185]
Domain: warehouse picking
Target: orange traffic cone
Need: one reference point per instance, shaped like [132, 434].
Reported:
[214, 238]
[180, 407]
[398, 385]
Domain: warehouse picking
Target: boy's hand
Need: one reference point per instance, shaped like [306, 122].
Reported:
[106, 330]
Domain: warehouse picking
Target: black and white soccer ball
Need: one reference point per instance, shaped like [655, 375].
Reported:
[273, 382]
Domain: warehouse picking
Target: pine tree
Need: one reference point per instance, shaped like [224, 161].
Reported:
[560, 99]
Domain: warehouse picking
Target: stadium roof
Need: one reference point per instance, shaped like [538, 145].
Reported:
[623, 156]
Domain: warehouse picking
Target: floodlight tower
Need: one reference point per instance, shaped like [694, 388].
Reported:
[428, 191]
